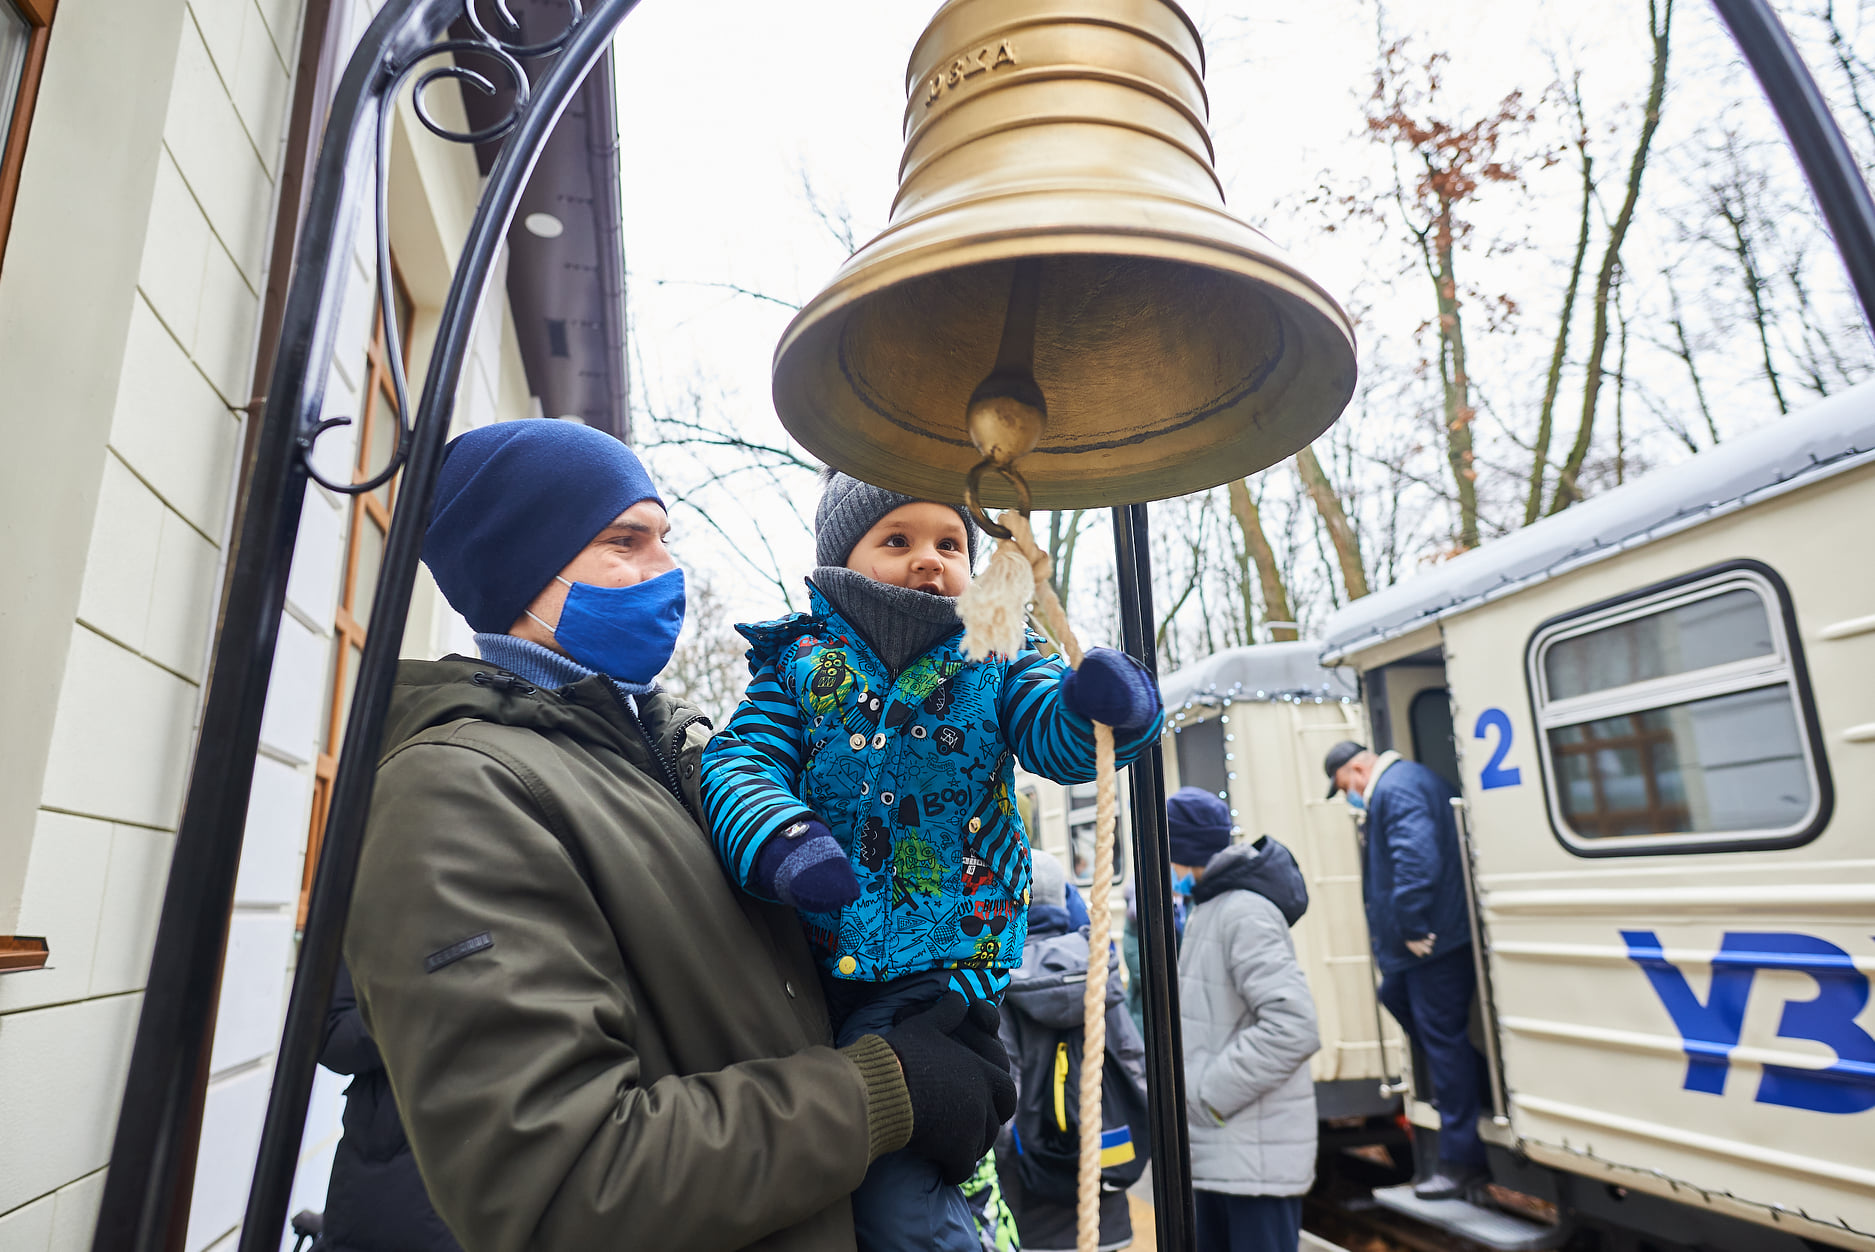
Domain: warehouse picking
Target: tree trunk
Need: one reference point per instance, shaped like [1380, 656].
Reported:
[1685, 353]
[1621, 392]
[1660, 23]
[1852, 66]
[1061, 542]
[1539, 460]
[1457, 383]
[1246, 577]
[1269, 574]
[1734, 217]
[1340, 533]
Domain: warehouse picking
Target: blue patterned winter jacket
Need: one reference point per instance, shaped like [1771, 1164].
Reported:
[914, 779]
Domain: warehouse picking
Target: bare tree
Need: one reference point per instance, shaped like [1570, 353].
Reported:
[1682, 347]
[1452, 162]
[1732, 199]
[1856, 72]
[1276, 609]
[1341, 534]
[1660, 29]
[1065, 527]
[1546, 415]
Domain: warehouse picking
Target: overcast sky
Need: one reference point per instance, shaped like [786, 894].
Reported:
[726, 104]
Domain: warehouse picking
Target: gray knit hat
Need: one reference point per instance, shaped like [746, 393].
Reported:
[849, 508]
[1048, 880]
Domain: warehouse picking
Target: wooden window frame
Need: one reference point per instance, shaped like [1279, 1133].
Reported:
[38, 15]
[371, 509]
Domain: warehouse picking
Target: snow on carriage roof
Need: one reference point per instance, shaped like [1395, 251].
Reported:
[1828, 438]
[1265, 671]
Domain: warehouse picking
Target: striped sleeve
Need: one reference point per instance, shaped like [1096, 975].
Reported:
[752, 774]
[980, 984]
[1045, 737]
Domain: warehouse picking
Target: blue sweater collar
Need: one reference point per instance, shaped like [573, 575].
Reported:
[543, 666]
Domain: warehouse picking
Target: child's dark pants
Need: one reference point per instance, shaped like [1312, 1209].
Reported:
[902, 1206]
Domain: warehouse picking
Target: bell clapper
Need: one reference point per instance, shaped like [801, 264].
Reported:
[1007, 410]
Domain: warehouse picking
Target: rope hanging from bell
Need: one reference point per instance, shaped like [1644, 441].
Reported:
[1005, 418]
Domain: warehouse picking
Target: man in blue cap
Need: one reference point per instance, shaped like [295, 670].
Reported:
[1420, 933]
[590, 1032]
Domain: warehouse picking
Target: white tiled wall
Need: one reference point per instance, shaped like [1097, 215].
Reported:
[126, 715]
[60, 1222]
[123, 731]
[56, 1128]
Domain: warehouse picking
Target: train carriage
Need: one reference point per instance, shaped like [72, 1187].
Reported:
[1659, 708]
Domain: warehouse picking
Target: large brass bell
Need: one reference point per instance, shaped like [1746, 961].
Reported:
[1060, 271]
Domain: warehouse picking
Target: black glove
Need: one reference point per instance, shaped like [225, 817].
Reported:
[957, 1074]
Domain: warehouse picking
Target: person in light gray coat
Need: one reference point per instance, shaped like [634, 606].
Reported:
[1249, 1031]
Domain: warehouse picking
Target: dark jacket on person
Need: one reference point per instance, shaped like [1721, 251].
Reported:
[594, 1039]
[375, 1201]
[1411, 882]
[1045, 998]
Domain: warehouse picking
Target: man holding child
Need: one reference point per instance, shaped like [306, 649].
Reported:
[594, 1037]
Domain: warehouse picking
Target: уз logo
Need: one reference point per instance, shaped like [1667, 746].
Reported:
[1710, 1029]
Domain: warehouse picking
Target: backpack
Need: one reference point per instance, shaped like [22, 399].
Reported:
[1048, 1119]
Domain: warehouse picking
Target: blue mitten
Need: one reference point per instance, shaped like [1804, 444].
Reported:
[1111, 687]
[804, 867]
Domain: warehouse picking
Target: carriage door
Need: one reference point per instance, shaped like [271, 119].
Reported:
[1430, 717]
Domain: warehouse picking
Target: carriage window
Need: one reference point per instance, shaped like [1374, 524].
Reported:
[1677, 720]
[1083, 799]
[1200, 747]
[1713, 630]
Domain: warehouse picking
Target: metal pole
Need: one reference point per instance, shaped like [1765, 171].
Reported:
[1152, 890]
[1835, 177]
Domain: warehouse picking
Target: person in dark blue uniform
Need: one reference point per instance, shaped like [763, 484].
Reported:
[1421, 936]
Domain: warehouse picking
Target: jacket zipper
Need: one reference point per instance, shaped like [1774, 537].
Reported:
[657, 752]
[677, 738]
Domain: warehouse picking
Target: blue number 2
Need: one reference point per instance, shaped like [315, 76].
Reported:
[1495, 775]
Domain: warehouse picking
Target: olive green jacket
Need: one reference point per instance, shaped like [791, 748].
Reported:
[595, 1041]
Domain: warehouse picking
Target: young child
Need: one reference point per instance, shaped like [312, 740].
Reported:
[866, 781]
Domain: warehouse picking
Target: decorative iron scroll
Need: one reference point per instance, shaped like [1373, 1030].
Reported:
[506, 52]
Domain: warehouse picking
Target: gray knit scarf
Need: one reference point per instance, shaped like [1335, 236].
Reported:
[899, 624]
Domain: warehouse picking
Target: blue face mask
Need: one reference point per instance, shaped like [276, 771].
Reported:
[1357, 801]
[627, 633]
[1183, 886]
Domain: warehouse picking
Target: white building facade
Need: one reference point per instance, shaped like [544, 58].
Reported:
[146, 225]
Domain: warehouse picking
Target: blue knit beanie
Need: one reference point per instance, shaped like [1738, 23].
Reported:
[1199, 825]
[515, 502]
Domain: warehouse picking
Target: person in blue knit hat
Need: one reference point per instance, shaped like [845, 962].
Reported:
[1198, 827]
[867, 780]
[586, 1025]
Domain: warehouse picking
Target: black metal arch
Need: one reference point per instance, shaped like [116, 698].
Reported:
[143, 1191]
